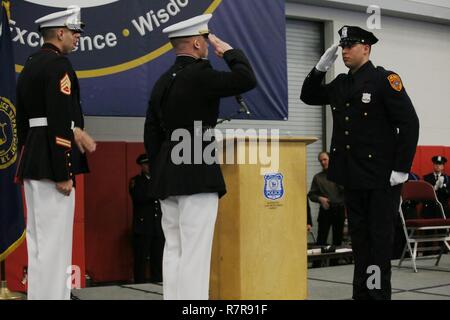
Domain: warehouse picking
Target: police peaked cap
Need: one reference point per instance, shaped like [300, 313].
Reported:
[142, 159]
[439, 160]
[353, 34]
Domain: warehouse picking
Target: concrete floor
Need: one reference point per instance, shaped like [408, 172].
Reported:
[125, 292]
[429, 283]
[329, 283]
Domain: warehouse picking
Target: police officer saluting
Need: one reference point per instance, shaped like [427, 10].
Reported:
[189, 190]
[52, 143]
[375, 134]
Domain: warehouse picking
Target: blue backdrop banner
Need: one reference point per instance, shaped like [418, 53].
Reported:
[123, 50]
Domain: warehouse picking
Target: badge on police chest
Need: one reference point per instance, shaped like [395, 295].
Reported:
[366, 97]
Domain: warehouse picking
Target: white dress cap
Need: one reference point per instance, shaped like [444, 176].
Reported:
[70, 19]
[192, 27]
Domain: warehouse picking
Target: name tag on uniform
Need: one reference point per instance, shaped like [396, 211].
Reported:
[366, 98]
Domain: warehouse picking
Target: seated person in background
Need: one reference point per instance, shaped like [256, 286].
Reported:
[441, 184]
[331, 199]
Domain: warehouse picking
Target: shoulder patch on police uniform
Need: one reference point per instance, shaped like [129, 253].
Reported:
[66, 85]
[396, 82]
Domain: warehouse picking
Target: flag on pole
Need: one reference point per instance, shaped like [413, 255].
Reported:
[12, 225]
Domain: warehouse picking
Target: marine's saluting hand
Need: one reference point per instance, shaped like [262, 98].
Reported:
[220, 47]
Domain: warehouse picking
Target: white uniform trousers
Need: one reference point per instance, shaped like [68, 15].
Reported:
[50, 217]
[188, 223]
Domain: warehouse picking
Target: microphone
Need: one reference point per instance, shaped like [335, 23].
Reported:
[244, 108]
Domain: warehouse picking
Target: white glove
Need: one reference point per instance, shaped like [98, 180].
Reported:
[398, 177]
[439, 183]
[328, 58]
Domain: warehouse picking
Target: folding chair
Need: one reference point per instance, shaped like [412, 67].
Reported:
[413, 227]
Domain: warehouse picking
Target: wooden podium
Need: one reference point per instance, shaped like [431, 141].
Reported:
[259, 249]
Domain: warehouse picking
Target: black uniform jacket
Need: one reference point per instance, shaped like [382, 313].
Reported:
[190, 91]
[146, 210]
[48, 88]
[375, 126]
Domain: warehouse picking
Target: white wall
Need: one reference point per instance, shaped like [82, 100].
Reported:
[115, 128]
[426, 10]
[418, 51]
[438, 3]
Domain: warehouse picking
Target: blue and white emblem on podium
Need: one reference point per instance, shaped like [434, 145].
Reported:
[273, 186]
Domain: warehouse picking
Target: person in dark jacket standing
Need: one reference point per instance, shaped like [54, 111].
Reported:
[330, 196]
[148, 237]
[375, 134]
[185, 103]
[52, 143]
